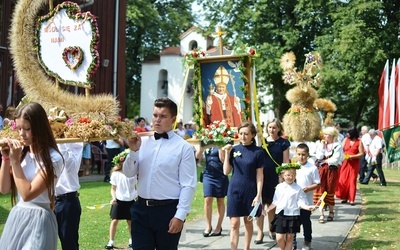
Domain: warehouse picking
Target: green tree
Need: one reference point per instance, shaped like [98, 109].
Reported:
[151, 26]
[354, 39]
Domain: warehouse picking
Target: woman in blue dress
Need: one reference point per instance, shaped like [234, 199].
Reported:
[247, 162]
[215, 185]
[278, 149]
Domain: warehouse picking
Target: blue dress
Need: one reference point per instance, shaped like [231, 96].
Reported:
[243, 184]
[215, 183]
[271, 178]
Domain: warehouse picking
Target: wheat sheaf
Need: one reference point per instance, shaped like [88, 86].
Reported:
[37, 85]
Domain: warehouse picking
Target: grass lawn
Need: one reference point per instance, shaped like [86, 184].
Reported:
[378, 225]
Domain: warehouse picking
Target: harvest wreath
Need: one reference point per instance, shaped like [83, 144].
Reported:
[81, 129]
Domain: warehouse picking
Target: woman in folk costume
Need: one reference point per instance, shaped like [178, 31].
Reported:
[220, 105]
[329, 156]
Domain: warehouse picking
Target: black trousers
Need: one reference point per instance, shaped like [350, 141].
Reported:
[364, 169]
[111, 153]
[68, 213]
[378, 167]
[150, 227]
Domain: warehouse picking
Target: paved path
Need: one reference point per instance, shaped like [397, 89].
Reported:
[327, 236]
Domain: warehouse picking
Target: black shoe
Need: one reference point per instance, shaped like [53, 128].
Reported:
[260, 241]
[206, 234]
[343, 201]
[364, 183]
[383, 184]
[216, 234]
[109, 247]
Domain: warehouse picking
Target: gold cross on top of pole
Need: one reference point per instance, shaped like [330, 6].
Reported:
[219, 33]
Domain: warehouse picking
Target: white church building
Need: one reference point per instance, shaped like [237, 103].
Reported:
[167, 76]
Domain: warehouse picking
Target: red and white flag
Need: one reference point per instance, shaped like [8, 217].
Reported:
[383, 96]
[391, 111]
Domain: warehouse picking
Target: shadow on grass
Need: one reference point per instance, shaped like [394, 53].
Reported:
[373, 243]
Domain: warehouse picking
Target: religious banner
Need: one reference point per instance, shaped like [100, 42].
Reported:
[67, 42]
[392, 141]
[221, 92]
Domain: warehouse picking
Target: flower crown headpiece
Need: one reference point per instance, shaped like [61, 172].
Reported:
[285, 166]
[119, 158]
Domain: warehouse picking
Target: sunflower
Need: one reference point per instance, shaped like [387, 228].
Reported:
[287, 61]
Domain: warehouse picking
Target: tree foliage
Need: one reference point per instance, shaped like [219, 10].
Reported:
[151, 26]
[354, 37]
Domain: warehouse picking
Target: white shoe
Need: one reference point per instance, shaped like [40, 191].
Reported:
[306, 246]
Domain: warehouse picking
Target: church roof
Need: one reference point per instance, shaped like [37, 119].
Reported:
[171, 51]
[153, 59]
[187, 32]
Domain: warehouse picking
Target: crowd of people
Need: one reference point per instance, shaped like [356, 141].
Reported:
[282, 181]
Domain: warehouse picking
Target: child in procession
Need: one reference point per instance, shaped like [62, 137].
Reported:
[288, 199]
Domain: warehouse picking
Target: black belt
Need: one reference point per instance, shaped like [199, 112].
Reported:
[151, 203]
[67, 196]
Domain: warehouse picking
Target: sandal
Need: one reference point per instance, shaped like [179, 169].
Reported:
[321, 219]
[330, 217]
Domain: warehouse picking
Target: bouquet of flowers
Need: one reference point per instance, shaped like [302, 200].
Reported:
[218, 133]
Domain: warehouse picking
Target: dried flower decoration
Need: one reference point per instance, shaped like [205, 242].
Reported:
[306, 77]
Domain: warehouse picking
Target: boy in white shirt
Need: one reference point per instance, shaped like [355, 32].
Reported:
[308, 179]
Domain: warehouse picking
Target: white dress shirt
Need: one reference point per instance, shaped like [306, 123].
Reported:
[125, 186]
[306, 176]
[376, 146]
[166, 169]
[289, 198]
[68, 181]
[366, 141]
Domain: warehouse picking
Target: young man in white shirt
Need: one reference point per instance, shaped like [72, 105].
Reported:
[167, 177]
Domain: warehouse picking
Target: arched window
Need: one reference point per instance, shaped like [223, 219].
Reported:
[163, 83]
[193, 45]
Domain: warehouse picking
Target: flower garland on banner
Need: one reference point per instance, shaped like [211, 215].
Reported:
[73, 11]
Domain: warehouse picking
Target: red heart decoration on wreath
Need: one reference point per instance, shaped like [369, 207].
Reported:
[73, 57]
